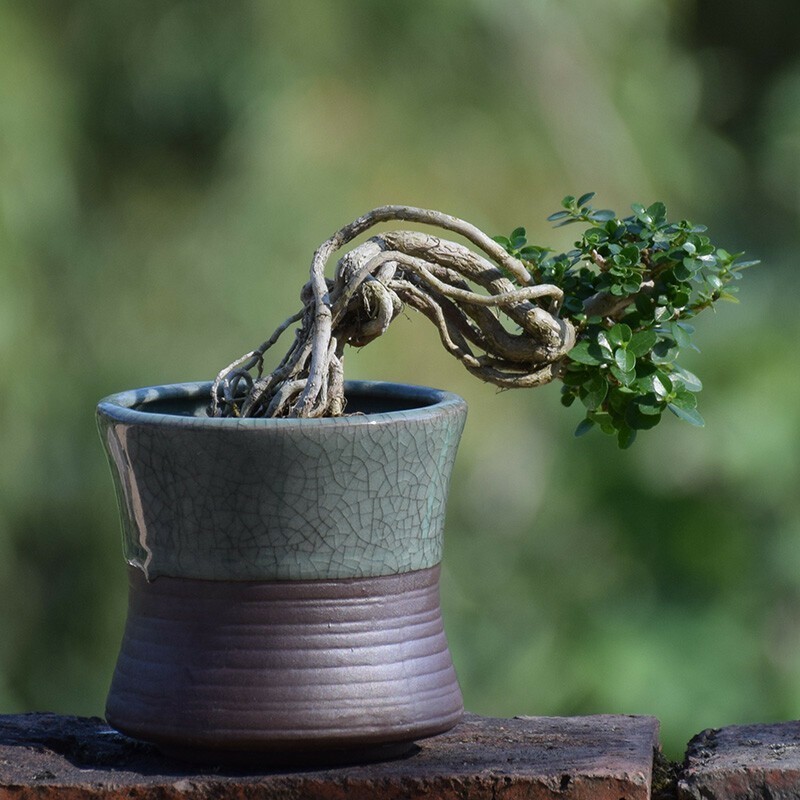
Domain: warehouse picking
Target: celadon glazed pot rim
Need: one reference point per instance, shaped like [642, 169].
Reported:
[131, 406]
[356, 496]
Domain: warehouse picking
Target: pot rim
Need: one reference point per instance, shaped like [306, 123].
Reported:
[130, 407]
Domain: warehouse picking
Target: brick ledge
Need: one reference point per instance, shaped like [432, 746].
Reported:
[743, 762]
[44, 756]
[605, 757]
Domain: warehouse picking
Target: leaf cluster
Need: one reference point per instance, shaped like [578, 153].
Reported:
[631, 284]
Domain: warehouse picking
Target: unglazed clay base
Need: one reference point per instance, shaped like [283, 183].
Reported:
[324, 671]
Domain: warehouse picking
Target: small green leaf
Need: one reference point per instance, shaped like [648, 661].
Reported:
[626, 437]
[684, 399]
[584, 426]
[658, 211]
[631, 254]
[649, 404]
[681, 272]
[603, 419]
[568, 201]
[503, 241]
[602, 215]
[632, 285]
[605, 345]
[667, 356]
[626, 378]
[620, 334]
[641, 213]
[691, 415]
[662, 385]
[682, 336]
[661, 313]
[692, 264]
[518, 232]
[557, 216]
[624, 359]
[595, 394]
[585, 198]
[587, 352]
[642, 342]
[532, 252]
[639, 419]
[680, 299]
[688, 379]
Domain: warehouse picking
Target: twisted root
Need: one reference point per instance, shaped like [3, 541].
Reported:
[460, 291]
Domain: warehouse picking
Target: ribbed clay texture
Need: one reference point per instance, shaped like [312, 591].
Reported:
[284, 666]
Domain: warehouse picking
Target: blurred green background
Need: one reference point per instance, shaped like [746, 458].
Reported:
[166, 170]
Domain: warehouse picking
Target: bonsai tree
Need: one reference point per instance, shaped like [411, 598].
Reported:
[607, 319]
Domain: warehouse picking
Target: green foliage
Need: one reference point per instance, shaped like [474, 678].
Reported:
[631, 285]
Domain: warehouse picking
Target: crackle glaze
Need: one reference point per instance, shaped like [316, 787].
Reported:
[265, 499]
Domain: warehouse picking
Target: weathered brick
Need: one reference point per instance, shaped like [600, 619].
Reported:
[743, 762]
[45, 756]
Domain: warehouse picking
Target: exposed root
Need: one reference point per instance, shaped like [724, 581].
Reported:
[462, 292]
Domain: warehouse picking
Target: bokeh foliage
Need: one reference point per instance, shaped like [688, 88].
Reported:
[166, 169]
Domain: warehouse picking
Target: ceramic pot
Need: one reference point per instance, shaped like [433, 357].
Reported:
[284, 575]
